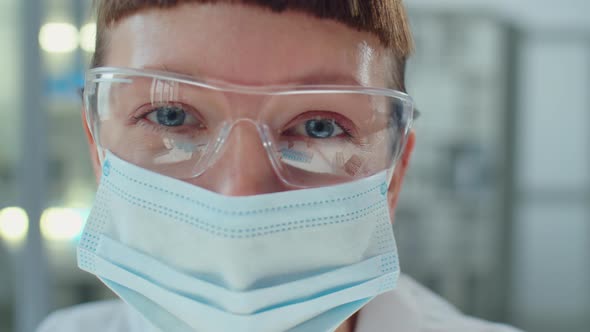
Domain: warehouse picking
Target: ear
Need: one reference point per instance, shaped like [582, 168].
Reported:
[399, 173]
[92, 148]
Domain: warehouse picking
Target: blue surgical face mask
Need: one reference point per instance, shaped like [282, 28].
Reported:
[192, 260]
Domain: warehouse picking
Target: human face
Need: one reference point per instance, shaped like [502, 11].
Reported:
[252, 47]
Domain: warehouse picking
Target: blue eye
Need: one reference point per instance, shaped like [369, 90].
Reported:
[320, 125]
[169, 116]
[322, 128]
[172, 116]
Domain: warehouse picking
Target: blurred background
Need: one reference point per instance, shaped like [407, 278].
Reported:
[495, 212]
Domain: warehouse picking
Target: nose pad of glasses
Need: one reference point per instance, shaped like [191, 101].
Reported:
[219, 147]
[241, 164]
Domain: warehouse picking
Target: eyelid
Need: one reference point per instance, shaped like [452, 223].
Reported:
[145, 109]
[346, 124]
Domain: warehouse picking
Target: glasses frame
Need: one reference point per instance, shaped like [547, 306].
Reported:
[95, 75]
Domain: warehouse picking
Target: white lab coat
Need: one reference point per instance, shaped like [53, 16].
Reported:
[409, 308]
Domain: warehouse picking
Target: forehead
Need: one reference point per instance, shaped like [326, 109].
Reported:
[247, 45]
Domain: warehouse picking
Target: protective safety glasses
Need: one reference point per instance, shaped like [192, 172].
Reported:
[178, 126]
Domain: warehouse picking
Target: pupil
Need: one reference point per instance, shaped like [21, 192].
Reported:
[319, 128]
[171, 116]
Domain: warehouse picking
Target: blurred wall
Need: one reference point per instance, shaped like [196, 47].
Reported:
[551, 273]
[550, 269]
[527, 14]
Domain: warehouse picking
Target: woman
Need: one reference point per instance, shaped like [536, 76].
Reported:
[250, 155]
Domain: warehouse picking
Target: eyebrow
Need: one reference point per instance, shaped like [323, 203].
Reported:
[313, 77]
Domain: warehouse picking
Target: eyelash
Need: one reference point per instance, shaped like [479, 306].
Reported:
[139, 118]
[339, 120]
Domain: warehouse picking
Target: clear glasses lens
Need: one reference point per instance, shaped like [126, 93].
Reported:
[313, 137]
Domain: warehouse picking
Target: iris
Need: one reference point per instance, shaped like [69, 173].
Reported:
[170, 116]
[320, 128]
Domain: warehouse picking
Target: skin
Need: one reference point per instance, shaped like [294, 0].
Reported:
[253, 50]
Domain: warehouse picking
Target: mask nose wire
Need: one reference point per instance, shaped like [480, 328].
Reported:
[265, 135]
